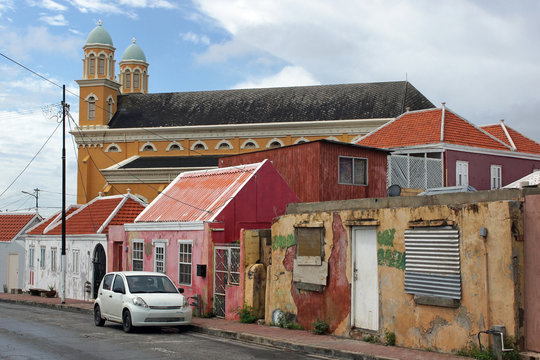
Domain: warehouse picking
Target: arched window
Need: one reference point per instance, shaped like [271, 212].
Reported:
[198, 146]
[274, 143]
[174, 147]
[249, 144]
[91, 65]
[224, 145]
[91, 108]
[101, 65]
[301, 140]
[136, 79]
[110, 107]
[147, 148]
[113, 148]
[127, 79]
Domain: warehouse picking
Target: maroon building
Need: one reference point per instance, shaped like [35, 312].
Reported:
[324, 170]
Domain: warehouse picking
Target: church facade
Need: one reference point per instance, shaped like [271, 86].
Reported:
[130, 139]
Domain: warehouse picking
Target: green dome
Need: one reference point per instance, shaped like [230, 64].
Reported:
[133, 52]
[99, 36]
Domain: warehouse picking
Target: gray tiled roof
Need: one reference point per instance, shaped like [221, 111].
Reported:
[267, 105]
[146, 162]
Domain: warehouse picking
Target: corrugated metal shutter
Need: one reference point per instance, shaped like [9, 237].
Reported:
[433, 262]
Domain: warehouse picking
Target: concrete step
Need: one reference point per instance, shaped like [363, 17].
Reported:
[530, 355]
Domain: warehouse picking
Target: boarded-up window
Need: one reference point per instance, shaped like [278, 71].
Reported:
[352, 171]
[309, 245]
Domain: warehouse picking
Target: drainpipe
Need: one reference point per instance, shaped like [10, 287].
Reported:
[483, 234]
[443, 110]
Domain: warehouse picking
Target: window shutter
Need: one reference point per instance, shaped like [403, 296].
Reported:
[433, 263]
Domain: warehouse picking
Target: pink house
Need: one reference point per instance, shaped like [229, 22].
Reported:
[193, 231]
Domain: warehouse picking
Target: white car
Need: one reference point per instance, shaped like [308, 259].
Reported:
[137, 298]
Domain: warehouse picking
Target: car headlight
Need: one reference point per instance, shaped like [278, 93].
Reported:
[185, 302]
[139, 302]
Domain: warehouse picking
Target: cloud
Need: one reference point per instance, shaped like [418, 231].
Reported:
[120, 6]
[47, 4]
[163, 4]
[19, 44]
[6, 5]
[54, 20]
[288, 76]
[196, 39]
[481, 58]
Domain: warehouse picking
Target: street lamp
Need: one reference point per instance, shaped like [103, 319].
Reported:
[36, 195]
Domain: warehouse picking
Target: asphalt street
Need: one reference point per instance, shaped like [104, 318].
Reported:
[28, 332]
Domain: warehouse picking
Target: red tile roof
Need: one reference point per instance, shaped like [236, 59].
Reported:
[94, 217]
[198, 195]
[38, 230]
[424, 127]
[511, 137]
[11, 224]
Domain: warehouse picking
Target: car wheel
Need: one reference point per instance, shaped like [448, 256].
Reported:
[126, 322]
[98, 320]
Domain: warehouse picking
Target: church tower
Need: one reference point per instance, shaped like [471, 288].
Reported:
[98, 88]
[133, 75]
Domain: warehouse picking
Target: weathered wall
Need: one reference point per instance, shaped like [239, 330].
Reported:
[532, 273]
[488, 271]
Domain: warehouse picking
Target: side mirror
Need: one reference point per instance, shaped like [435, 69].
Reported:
[119, 290]
[181, 290]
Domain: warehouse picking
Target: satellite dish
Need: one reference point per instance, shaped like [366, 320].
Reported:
[394, 190]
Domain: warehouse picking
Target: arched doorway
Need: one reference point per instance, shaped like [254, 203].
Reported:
[99, 260]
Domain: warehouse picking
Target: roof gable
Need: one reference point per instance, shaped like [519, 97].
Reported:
[384, 100]
[513, 138]
[94, 217]
[198, 195]
[424, 127]
[12, 224]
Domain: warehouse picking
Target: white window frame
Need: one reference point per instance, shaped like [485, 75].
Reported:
[136, 79]
[91, 108]
[127, 79]
[31, 255]
[462, 173]
[182, 260]
[76, 261]
[42, 252]
[92, 64]
[160, 262]
[137, 242]
[54, 251]
[496, 176]
[101, 65]
[353, 160]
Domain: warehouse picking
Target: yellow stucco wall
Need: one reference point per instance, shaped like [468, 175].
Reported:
[490, 294]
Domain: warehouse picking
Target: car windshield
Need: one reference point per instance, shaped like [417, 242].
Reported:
[150, 284]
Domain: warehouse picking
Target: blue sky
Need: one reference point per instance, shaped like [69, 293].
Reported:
[480, 57]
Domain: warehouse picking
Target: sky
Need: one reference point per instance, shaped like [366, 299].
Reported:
[480, 57]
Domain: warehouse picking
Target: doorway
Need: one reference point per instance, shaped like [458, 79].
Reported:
[226, 272]
[13, 271]
[365, 284]
[99, 261]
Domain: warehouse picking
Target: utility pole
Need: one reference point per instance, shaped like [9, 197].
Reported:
[63, 281]
[36, 195]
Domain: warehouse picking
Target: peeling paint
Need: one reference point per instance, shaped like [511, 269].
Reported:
[386, 237]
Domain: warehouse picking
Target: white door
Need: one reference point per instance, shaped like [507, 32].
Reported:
[365, 287]
[13, 271]
[462, 173]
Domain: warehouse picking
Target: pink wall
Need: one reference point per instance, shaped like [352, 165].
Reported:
[480, 165]
[531, 266]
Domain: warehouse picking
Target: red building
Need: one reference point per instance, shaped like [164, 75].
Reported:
[193, 230]
[436, 147]
[324, 170]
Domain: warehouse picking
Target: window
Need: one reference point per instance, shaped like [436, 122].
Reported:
[462, 173]
[159, 258]
[42, 258]
[136, 77]
[127, 77]
[137, 255]
[309, 245]
[31, 257]
[496, 177]
[110, 107]
[148, 148]
[76, 266]
[101, 65]
[224, 145]
[274, 144]
[118, 285]
[53, 259]
[433, 263]
[91, 65]
[352, 171]
[91, 108]
[184, 265]
[174, 147]
[107, 281]
[249, 144]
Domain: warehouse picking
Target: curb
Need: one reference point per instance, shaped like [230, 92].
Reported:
[286, 345]
[226, 334]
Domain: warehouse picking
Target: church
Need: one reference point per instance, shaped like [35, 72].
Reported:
[129, 138]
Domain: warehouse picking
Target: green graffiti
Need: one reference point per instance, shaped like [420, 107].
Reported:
[386, 237]
[391, 258]
[282, 242]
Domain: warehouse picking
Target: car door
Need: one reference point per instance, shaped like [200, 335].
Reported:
[116, 300]
[105, 294]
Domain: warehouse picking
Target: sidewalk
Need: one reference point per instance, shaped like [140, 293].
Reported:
[294, 340]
